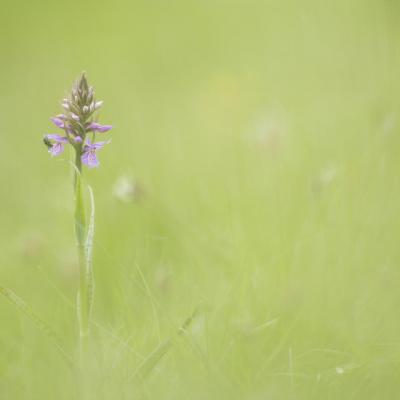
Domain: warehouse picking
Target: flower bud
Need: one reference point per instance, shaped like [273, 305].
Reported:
[98, 104]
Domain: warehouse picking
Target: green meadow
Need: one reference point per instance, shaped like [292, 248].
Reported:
[247, 209]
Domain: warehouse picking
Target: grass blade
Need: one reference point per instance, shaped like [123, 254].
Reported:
[153, 359]
[26, 309]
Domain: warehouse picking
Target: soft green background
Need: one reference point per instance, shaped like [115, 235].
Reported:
[265, 137]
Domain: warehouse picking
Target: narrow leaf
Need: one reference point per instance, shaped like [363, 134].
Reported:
[26, 309]
[89, 252]
[150, 362]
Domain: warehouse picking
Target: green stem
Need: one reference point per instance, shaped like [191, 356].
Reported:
[80, 232]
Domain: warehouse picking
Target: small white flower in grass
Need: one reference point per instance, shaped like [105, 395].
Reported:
[339, 370]
[126, 189]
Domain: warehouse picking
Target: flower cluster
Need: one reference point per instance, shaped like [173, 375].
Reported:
[78, 123]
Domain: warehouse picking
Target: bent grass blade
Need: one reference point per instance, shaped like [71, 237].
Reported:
[154, 358]
[42, 325]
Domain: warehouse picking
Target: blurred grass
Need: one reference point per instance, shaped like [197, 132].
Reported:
[265, 136]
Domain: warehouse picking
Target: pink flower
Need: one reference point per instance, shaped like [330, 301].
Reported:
[55, 143]
[94, 126]
[89, 153]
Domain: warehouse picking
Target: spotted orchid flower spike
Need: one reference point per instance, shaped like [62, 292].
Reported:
[79, 125]
[80, 128]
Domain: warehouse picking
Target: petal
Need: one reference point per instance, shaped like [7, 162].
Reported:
[84, 156]
[90, 159]
[57, 138]
[99, 145]
[95, 146]
[58, 122]
[56, 149]
[94, 126]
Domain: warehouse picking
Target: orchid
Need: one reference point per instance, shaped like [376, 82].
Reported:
[77, 122]
[89, 153]
[95, 127]
[55, 143]
[59, 121]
